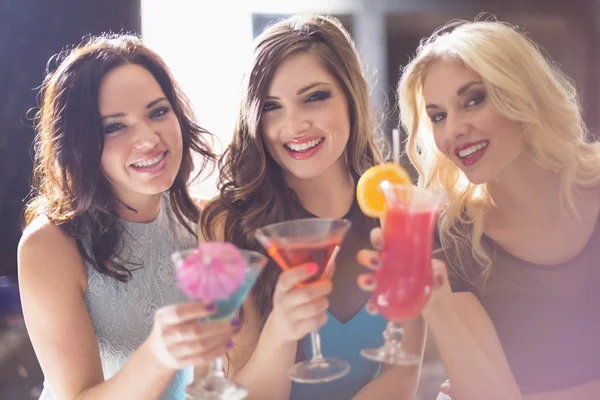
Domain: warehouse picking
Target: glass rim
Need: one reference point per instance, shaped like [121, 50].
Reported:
[387, 185]
[262, 233]
[299, 221]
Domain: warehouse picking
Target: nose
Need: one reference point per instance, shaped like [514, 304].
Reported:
[457, 125]
[296, 123]
[146, 137]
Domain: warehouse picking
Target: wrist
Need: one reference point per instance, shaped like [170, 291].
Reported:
[153, 362]
[272, 331]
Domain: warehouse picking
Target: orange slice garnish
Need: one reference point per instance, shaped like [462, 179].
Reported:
[369, 195]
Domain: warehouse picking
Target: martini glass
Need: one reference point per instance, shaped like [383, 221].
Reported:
[215, 385]
[405, 278]
[310, 240]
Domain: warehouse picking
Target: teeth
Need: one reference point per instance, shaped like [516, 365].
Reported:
[470, 150]
[304, 146]
[150, 163]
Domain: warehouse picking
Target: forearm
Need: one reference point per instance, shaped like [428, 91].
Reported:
[472, 374]
[265, 373]
[397, 383]
[140, 378]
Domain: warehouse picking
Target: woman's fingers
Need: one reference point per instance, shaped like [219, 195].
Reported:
[179, 313]
[376, 236]
[446, 388]
[372, 308]
[305, 294]
[440, 273]
[195, 330]
[367, 282]
[369, 258]
[290, 278]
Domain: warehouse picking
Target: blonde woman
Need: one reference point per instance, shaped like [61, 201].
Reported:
[498, 127]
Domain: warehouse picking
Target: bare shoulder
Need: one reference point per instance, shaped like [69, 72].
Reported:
[52, 282]
[44, 236]
[46, 251]
[41, 228]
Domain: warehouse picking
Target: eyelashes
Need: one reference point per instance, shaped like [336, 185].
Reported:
[159, 112]
[117, 126]
[472, 101]
[270, 106]
[113, 128]
[319, 95]
[475, 100]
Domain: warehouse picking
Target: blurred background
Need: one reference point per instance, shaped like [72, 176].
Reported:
[207, 45]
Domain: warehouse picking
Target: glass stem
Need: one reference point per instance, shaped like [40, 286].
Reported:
[393, 335]
[216, 368]
[315, 339]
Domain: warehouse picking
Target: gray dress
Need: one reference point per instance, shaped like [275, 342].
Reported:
[122, 314]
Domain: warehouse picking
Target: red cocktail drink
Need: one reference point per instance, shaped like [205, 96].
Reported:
[294, 254]
[405, 278]
[310, 240]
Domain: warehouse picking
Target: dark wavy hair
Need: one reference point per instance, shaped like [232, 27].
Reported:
[253, 192]
[68, 185]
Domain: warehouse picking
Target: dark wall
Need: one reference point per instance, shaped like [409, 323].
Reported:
[261, 21]
[31, 31]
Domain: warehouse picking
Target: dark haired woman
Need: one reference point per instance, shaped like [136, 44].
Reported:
[114, 145]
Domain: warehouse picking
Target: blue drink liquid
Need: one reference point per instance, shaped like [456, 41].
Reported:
[228, 307]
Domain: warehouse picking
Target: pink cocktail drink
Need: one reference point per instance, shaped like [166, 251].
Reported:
[405, 277]
[223, 274]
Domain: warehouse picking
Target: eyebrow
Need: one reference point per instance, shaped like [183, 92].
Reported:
[150, 105]
[459, 92]
[302, 90]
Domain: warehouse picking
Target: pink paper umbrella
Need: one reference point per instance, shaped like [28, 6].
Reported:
[213, 272]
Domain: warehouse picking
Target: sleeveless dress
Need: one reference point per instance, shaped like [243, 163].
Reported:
[345, 340]
[122, 314]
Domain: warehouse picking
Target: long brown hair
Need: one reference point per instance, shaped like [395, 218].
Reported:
[253, 192]
[68, 186]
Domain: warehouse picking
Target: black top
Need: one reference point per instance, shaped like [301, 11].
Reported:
[547, 316]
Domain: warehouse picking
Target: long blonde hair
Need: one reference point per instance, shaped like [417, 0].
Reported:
[524, 86]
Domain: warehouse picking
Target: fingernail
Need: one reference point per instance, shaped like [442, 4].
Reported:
[438, 282]
[312, 268]
[372, 309]
[375, 262]
[229, 344]
[377, 242]
[210, 307]
[235, 322]
[369, 281]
